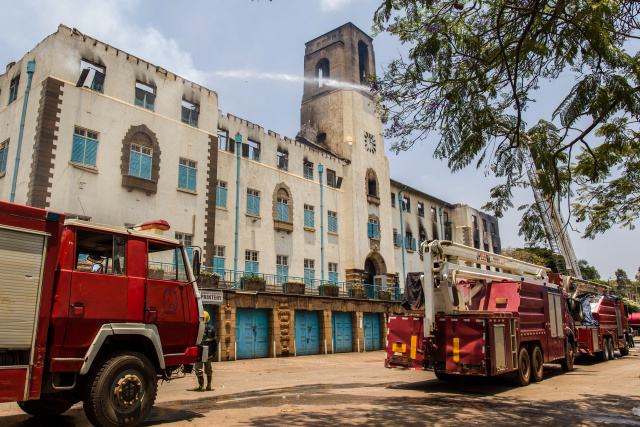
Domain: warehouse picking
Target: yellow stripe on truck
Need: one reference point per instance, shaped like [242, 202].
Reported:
[456, 350]
[414, 345]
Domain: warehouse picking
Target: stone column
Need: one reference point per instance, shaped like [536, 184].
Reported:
[227, 332]
[326, 331]
[356, 331]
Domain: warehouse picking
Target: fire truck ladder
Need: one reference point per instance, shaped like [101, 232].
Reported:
[554, 225]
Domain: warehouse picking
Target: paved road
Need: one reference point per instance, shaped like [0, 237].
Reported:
[355, 389]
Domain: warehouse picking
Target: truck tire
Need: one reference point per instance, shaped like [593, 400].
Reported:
[624, 351]
[536, 364]
[523, 374]
[611, 349]
[569, 356]
[48, 405]
[120, 390]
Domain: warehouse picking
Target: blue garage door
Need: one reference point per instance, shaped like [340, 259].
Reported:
[371, 331]
[307, 333]
[252, 332]
[341, 329]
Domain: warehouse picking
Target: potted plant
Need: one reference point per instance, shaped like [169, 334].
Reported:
[293, 287]
[358, 291]
[208, 279]
[384, 295]
[253, 282]
[329, 290]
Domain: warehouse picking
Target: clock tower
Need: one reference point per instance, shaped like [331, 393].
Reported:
[338, 105]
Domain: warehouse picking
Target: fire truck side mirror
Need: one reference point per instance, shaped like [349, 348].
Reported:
[196, 263]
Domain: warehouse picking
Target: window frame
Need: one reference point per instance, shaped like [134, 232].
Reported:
[420, 209]
[97, 70]
[147, 91]
[332, 217]
[194, 113]
[307, 170]
[142, 153]
[309, 216]
[253, 193]
[87, 136]
[221, 185]
[188, 165]
[4, 155]
[284, 164]
[14, 87]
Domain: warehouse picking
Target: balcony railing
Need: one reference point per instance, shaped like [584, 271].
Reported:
[240, 280]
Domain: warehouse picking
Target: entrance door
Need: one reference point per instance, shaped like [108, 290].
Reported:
[370, 271]
[371, 323]
[307, 332]
[251, 333]
[341, 328]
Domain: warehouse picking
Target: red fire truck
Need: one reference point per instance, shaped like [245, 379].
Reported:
[91, 313]
[602, 324]
[509, 320]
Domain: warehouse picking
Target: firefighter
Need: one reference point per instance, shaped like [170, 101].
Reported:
[208, 339]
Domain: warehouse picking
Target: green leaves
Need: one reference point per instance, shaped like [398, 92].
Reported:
[472, 74]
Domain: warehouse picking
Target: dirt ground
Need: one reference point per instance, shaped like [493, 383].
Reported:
[355, 389]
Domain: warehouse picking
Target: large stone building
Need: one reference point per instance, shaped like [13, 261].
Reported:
[111, 138]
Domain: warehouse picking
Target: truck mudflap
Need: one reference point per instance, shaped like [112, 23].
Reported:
[404, 344]
[188, 357]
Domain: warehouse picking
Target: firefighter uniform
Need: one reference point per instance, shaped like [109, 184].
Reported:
[209, 340]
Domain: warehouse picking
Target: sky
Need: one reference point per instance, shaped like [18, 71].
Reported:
[251, 53]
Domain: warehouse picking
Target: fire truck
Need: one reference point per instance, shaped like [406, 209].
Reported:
[508, 320]
[92, 313]
[602, 324]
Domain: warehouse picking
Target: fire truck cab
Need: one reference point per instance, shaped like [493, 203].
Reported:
[92, 313]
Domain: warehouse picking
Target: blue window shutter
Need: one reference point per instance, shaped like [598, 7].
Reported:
[375, 231]
[77, 150]
[256, 203]
[285, 213]
[145, 167]
[369, 230]
[91, 152]
[223, 197]
[255, 267]
[407, 243]
[182, 176]
[280, 214]
[333, 277]
[414, 243]
[218, 194]
[247, 266]
[249, 204]
[333, 224]
[189, 254]
[192, 174]
[3, 160]
[312, 218]
[134, 164]
[285, 270]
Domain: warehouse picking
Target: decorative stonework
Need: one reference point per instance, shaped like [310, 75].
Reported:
[45, 144]
[210, 213]
[143, 136]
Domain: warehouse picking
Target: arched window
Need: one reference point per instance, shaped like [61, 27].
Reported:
[371, 186]
[282, 208]
[140, 165]
[322, 72]
[363, 62]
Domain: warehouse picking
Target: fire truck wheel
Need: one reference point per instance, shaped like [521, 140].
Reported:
[47, 406]
[536, 364]
[611, 349]
[523, 374]
[120, 390]
[624, 351]
[569, 356]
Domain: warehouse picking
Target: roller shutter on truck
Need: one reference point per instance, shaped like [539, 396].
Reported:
[21, 263]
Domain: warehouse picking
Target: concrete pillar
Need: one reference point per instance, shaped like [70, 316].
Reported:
[326, 331]
[384, 319]
[274, 332]
[357, 332]
[227, 332]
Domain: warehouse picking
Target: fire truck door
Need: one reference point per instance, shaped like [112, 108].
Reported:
[99, 285]
[166, 296]
[619, 320]
[555, 315]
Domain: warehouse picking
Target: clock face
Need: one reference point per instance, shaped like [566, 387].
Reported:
[370, 142]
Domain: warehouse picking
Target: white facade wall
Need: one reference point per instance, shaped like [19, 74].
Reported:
[98, 192]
